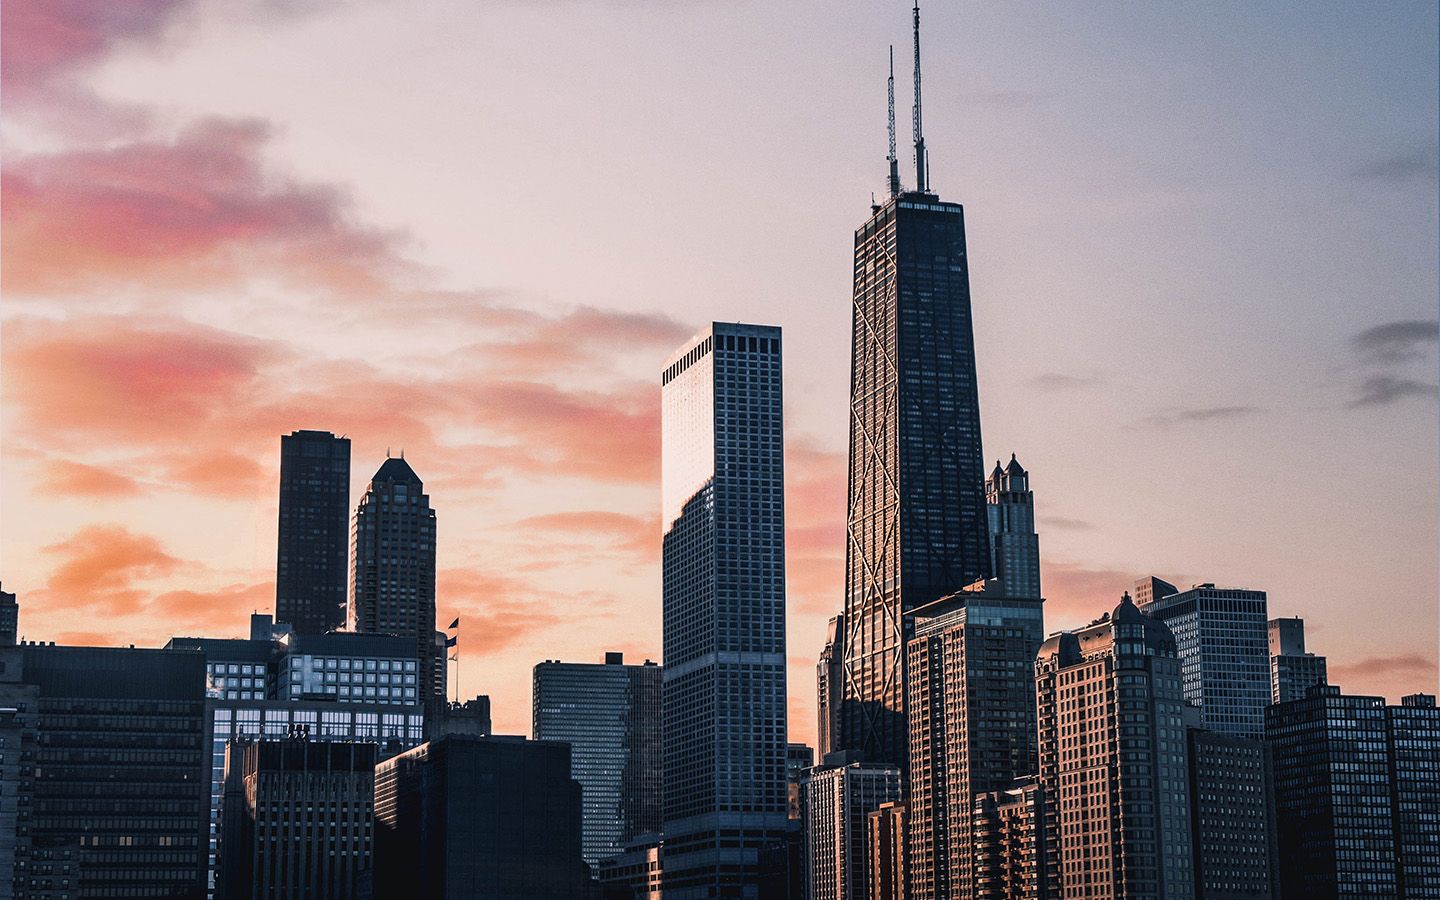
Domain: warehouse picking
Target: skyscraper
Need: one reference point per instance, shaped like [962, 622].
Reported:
[9, 619]
[836, 802]
[1413, 732]
[314, 531]
[971, 697]
[829, 676]
[1222, 640]
[609, 714]
[1232, 817]
[916, 522]
[724, 613]
[1292, 670]
[1112, 759]
[1012, 861]
[1014, 545]
[392, 576]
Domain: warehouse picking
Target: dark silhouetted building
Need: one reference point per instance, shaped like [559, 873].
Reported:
[235, 668]
[314, 537]
[1222, 638]
[1292, 670]
[836, 800]
[471, 717]
[9, 619]
[392, 576]
[609, 714]
[829, 673]
[1112, 759]
[916, 521]
[799, 759]
[1014, 545]
[723, 574]
[465, 818]
[1011, 856]
[636, 873]
[18, 702]
[1232, 821]
[1413, 734]
[971, 693]
[885, 841]
[1333, 799]
[120, 769]
[298, 820]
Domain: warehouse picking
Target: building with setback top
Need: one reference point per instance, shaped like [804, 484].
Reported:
[723, 574]
[1014, 545]
[314, 533]
[916, 521]
[1293, 671]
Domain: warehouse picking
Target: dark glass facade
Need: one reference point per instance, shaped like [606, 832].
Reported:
[917, 522]
[1413, 729]
[313, 549]
[467, 818]
[121, 768]
[1232, 818]
[609, 714]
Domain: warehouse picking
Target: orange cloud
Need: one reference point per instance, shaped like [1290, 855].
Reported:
[622, 532]
[63, 477]
[99, 566]
[220, 611]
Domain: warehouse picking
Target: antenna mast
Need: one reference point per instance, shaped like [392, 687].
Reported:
[922, 162]
[894, 162]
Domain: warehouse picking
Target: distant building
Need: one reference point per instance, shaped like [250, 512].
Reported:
[1112, 759]
[120, 766]
[885, 842]
[392, 728]
[723, 586]
[829, 675]
[392, 575]
[1012, 860]
[471, 717]
[1333, 795]
[635, 873]
[799, 759]
[836, 800]
[349, 668]
[235, 668]
[1413, 735]
[9, 619]
[465, 818]
[1232, 821]
[609, 714]
[971, 694]
[1292, 670]
[1014, 545]
[1222, 640]
[298, 820]
[314, 533]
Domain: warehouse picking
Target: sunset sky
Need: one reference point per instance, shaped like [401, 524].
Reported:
[1204, 270]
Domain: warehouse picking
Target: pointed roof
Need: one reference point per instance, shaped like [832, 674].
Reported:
[1128, 613]
[995, 475]
[1014, 468]
[395, 470]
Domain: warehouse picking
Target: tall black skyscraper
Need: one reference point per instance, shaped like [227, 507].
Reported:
[392, 578]
[314, 531]
[917, 522]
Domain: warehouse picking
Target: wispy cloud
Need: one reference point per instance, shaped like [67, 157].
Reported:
[1065, 523]
[1390, 351]
[1383, 390]
[1055, 382]
[1195, 415]
[1395, 342]
[1418, 164]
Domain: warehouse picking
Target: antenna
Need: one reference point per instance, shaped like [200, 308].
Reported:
[922, 162]
[894, 163]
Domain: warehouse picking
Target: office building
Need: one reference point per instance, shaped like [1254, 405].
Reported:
[609, 714]
[1292, 670]
[1014, 545]
[471, 717]
[235, 668]
[314, 534]
[466, 818]
[1112, 759]
[392, 728]
[298, 820]
[829, 675]
[349, 668]
[392, 576]
[1333, 803]
[18, 701]
[635, 873]
[1413, 736]
[723, 562]
[799, 759]
[885, 841]
[971, 698]
[836, 801]
[1223, 641]
[119, 769]
[917, 526]
[1012, 861]
[1232, 820]
[9, 619]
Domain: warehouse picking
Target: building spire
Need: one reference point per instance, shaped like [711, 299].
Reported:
[922, 162]
[894, 162]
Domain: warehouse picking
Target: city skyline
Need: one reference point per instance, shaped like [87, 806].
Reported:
[150, 374]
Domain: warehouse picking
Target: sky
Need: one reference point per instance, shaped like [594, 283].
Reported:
[1203, 246]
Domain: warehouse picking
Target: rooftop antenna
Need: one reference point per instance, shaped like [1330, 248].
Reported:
[894, 162]
[922, 163]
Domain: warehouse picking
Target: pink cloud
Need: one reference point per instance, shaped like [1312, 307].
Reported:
[63, 477]
[99, 567]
